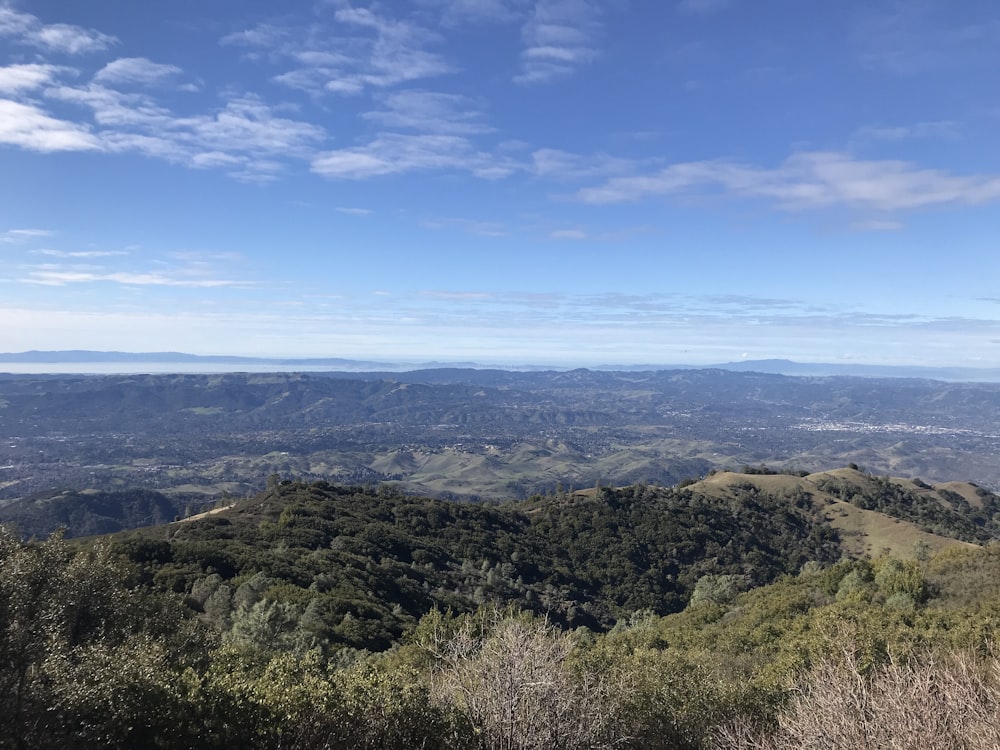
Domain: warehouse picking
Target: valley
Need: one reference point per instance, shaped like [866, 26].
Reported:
[478, 434]
[651, 559]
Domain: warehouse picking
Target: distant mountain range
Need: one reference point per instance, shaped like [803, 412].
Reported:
[162, 360]
[84, 356]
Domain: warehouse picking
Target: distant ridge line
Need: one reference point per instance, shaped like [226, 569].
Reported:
[766, 366]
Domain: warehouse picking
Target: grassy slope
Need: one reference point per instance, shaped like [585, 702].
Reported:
[864, 533]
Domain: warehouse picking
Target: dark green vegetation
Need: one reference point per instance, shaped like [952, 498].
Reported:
[476, 433]
[344, 566]
[316, 616]
[92, 512]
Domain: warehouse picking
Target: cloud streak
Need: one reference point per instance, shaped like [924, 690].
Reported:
[559, 38]
[12, 236]
[31, 128]
[51, 277]
[392, 153]
[245, 136]
[22, 78]
[430, 112]
[27, 29]
[373, 51]
[138, 70]
[808, 181]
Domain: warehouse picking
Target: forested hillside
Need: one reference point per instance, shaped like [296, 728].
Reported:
[726, 614]
[358, 567]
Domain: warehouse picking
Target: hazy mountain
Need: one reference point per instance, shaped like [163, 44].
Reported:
[162, 360]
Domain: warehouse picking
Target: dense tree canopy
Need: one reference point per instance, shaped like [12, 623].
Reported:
[314, 616]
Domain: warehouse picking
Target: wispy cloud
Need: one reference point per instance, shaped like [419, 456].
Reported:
[138, 70]
[555, 164]
[373, 50]
[196, 270]
[354, 211]
[581, 234]
[21, 78]
[245, 136]
[809, 181]
[559, 38]
[28, 30]
[12, 236]
[430, 112]
[57, 277]
[512, 327]
[80, 253]
[123, 110]
[392, 153]
[29, 127]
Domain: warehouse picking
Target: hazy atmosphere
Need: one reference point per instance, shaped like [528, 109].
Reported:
[571, 182]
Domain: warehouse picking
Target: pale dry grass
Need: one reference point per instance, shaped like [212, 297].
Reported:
[512, 682]
[943, 703]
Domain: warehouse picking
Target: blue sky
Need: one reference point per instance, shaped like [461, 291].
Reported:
[569, 182]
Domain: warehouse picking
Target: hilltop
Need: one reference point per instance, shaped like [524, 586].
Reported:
[381, 559]
[876, 515]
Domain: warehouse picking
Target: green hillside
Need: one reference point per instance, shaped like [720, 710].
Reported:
[707, 616]
[358, 567]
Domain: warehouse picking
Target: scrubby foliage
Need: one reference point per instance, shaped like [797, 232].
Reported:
[302, 621]
[947, 702]
[313, 565]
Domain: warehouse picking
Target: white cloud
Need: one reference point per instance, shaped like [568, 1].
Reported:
[248, 124]
[559, 38]
[183, 269]
[29, 127]
[807, 181]
[61, 37]
[81, 253]
[51, 277]
[17, 78]
[13, 23]
[392, 153]
[58, 37]
[372, 51]
[136, 70]
[352, 211]
[397, 53]
[262, 36]
[430, 112]
[244, 136]
[12, 236]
